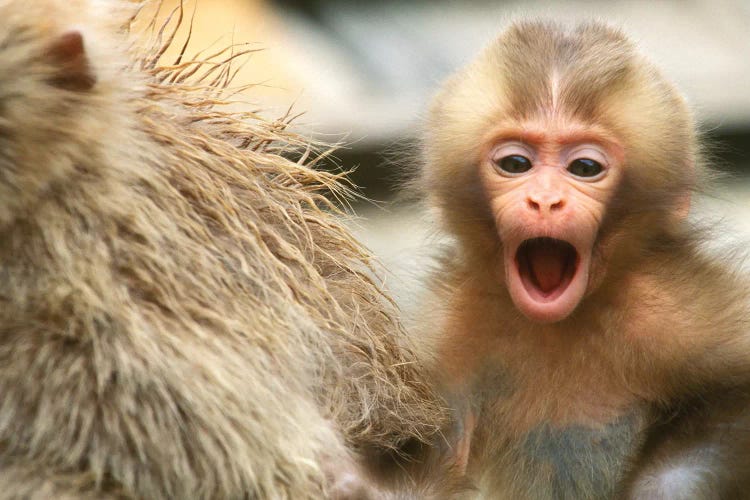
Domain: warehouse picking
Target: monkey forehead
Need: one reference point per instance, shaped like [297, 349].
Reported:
[539, 68]
[546, 65]
[532, 59]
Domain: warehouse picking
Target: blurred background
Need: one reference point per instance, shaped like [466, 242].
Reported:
[363, 72]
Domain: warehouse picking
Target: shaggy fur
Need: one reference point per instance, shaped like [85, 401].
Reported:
[181, 316]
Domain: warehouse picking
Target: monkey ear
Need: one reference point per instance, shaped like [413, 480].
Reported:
[68, 54]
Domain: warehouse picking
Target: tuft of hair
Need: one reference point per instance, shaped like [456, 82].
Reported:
[181, 313]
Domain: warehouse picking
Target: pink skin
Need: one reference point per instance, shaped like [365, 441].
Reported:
[548, 200]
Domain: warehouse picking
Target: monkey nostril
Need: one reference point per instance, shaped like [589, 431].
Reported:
[545, 206]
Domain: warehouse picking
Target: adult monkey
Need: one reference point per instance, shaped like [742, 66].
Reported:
[180, 316]
[590, 348]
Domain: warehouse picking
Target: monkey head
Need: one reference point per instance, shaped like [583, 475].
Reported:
[553, 165]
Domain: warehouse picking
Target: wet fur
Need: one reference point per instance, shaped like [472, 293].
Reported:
[181, 315]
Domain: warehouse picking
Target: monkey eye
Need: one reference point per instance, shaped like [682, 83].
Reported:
[585, 167]
[513, 164]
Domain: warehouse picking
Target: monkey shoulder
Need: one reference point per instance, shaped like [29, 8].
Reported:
[697, 330]
[687, 304]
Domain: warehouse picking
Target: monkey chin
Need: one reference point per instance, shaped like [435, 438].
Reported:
[546, 277]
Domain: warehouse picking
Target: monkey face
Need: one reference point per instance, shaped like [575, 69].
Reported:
[547, 186]
[525, 163]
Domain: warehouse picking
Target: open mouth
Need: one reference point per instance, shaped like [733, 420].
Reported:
[546, 267]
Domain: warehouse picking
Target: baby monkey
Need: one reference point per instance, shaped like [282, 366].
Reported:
[588, 345]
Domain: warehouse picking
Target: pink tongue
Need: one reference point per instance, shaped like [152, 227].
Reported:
[547, 266]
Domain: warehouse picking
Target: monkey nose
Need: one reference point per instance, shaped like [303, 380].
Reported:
[545, 204]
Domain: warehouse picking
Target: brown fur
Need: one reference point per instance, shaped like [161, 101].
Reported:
[579, 408]
[181, 316]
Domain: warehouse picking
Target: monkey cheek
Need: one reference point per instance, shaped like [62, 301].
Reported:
[551, 308]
